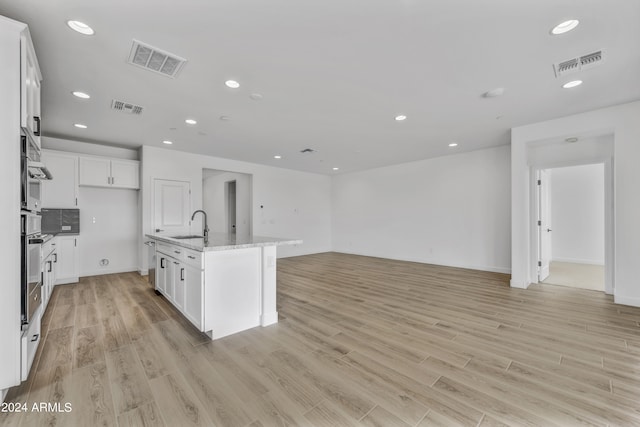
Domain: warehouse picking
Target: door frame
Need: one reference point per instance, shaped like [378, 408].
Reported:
[609, 215]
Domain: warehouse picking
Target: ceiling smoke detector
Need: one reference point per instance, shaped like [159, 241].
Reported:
[580, 63]
[153, 59]
[126, 107]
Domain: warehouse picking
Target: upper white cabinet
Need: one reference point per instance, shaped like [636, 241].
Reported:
[29, 89]
[112, 173]
[62, 191]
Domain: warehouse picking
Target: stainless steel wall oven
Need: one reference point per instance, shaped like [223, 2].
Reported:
[31, 283]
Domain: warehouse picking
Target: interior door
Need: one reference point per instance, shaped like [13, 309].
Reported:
[544, 224]
[171, 206]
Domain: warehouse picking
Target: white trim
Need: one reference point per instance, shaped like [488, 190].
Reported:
[109, 271]
[267, 319]
[579, 261]
[519, 285]
[632, 301]
[143, 272]
[491, 269]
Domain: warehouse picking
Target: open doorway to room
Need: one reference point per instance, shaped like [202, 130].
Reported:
[571, 226]
[226, 198]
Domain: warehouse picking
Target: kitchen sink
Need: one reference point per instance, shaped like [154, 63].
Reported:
[191, 236]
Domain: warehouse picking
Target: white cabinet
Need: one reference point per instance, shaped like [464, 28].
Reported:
[67, 269]
[113, 173]
[49, 267]
[62, 191]
[194, 279]
[179, 277]
[29, 89]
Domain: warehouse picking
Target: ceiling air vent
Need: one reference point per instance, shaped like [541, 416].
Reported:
[154, 59]
[126, 107]
[574, 65]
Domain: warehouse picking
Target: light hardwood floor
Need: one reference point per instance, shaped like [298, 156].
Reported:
[361, 342]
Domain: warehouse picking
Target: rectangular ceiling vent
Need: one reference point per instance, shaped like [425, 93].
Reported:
[126, 107]
[574, 65]
[154, 59]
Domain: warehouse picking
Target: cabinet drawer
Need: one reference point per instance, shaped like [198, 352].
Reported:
[193, 258]
[173, 251]
[30, 341]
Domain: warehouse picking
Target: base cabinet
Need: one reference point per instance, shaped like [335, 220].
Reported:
[67, 267]
[180, 281]
[193, 284]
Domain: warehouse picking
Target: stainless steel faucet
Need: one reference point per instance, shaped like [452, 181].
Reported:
[206, 227]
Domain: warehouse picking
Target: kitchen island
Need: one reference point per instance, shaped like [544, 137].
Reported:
[224, 285]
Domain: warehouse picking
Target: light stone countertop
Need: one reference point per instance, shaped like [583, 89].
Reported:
[224, 241]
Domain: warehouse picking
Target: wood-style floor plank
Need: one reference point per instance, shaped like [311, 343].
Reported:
[361, 341]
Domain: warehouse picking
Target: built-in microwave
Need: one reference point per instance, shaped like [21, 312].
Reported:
[33, 171]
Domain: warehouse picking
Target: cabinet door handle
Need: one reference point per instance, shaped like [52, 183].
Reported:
[161, 262]
[36, 121]
[55, 258]
[50, 267]
[178, 252]
[182, 274]
[113, 180]
[191, 257]
[35, 337]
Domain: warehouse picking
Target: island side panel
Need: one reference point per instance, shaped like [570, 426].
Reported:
[232, 291]
[269, 314]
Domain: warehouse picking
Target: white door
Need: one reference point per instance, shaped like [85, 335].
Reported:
[544, 224]
[68, 265]
[171, 206]
[193, 295]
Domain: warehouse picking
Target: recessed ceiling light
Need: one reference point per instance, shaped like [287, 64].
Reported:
[167, 142]
[232, 84]
[453, 144]
[572, 139]
[401, 117]
[225, 118]
[80, 126]
[565, 27]
[190, 122]
[277, 157]
[335, 169]
[81, 27]
[81, 95]
[572, 83]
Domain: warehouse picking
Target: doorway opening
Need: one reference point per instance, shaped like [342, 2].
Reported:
[227, 200]
[230, 190]
[572, 226]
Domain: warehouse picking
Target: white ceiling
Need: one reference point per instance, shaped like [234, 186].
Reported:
[333, 73]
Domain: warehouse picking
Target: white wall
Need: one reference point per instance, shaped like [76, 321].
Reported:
[215, 201]
[621, 121]
[108, 230]
[79, 147]
[294, 204]
[577, 214]
[452, 210]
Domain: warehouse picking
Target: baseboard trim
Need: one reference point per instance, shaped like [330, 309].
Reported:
[578, 261]
[109, 271]
[621, 299]
[491, 269]
[269, 319]
[143, 272]
[519, 285]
